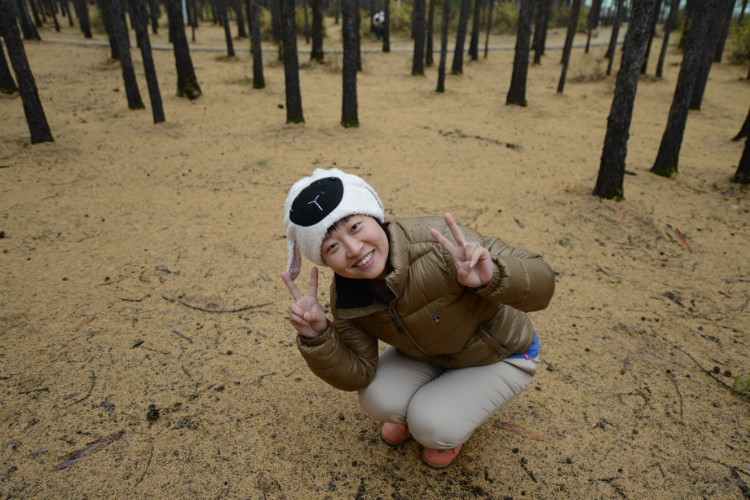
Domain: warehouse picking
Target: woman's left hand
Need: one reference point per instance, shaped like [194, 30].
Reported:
[473, 261]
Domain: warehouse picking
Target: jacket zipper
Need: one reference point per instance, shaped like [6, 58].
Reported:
[403, 331]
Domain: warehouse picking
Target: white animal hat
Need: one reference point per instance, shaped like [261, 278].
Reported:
[315, 204]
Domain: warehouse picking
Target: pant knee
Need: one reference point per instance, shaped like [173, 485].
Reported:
[436, 430]
[380, 407]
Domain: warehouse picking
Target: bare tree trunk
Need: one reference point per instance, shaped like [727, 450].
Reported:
[7, 84]
[742, 175]
[83, 17]
[428, 56]
[489, 26]
[32, 106]
[668, 25]
[316, 53]
[609, 183]
[27, 27]
[667, 158]
[727, 21]
[387, 28]
[253, 15]
[474, 41]
[291, 64]
[417, 65]
[540, 29]
[652, 31]
[593, 21]
[349, 113]
[223, 6]
[716, 14]
[187, 83]
[126, 62]
[619, 14]
[443, 46]
[458, 54]
[517, 91]
[744, 130]
[572, 28]
[141, 29]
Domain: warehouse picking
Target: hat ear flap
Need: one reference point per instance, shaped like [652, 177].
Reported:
[294, 266]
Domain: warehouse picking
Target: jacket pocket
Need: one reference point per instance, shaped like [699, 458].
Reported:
[489, 339]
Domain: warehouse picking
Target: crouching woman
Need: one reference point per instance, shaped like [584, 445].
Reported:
[451, 304]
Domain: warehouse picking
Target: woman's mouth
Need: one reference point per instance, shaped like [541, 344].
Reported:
[366, 261]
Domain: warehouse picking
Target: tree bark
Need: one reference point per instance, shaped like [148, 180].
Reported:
[7, 83]
[241, 31]
[593, 21]
[83, 17]
[223, 6]
[105, 7]
[27, 27]
[253, 15]
[387, 28]
[443, 46]
[457, 67]
[428, 55]
[652, 31]
[153, 8]
[742, 175]
[744, 130]
[667, 158]
[316, 54]
[716, 21]
[187, 83]
[726, 23]
[417, 65]
[517, 91]
[668, 25]
[276, 20]
[291, 64]
[349, 113]
[32, 105]
[489, 26]
[123, 47]
[609, 183]
[141, 30]
[540, 29]
[619, 14]
[474, 41]
[572, 28]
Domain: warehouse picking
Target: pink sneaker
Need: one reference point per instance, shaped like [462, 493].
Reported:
[438, 459]
[394, 434]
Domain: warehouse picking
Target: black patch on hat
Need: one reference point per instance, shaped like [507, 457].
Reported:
[316, 201]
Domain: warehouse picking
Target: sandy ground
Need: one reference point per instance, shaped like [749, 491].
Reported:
[143, 320]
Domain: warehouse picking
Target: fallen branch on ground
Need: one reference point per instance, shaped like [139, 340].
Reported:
[78, 455]
[204, 309]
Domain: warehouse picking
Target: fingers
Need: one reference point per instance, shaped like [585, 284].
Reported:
[455, 230]
[312, 288]
[292, 287]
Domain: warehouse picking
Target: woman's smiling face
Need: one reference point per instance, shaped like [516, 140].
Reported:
[357, 247]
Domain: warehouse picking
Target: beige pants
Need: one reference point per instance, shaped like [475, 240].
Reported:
[442, 407]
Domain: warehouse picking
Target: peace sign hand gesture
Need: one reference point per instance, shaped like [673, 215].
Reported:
[306, 314]
[473, 261]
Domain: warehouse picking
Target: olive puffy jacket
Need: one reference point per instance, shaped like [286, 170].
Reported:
[432, 318]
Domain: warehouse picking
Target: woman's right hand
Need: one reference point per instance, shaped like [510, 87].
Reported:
[306, 314]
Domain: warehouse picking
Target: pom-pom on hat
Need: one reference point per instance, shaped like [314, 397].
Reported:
[315, 204]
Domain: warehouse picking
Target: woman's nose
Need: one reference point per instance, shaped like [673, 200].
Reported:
[352, 246]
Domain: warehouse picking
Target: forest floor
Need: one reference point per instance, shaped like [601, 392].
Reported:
[144, 345]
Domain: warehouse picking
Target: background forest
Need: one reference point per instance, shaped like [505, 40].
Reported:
[144, 345]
